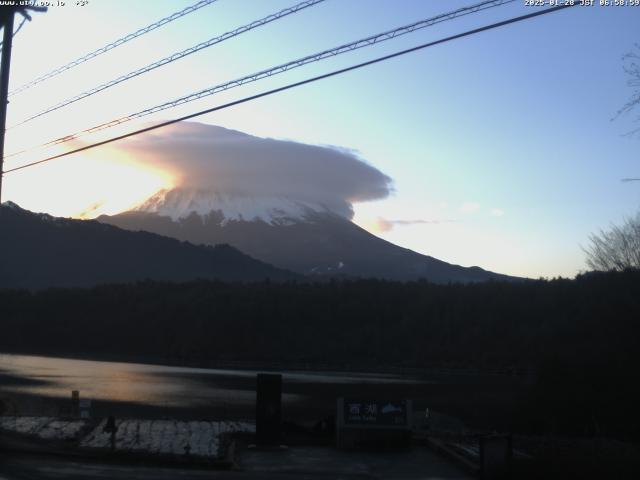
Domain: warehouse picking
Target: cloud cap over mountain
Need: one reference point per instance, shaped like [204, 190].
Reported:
[207, 157]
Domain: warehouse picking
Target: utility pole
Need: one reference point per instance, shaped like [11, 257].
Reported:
[7, 40]
[7, 15]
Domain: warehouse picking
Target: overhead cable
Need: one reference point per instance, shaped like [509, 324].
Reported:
[175, 56]
[296, 84]
[365, 42]
[112, 45]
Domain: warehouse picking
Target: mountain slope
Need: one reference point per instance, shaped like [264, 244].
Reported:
[307, 239]
[40, 251]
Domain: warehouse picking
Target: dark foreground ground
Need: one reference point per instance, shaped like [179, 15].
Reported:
[296, 462]
[301, 461]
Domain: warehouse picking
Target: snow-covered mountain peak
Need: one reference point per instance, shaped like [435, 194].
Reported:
[181, 203]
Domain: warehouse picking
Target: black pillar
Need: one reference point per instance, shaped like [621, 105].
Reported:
[268, 409]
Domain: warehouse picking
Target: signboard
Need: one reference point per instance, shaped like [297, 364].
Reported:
[389, 413]
[85, 408]
[369, 422]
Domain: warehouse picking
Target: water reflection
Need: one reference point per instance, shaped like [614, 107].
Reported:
[156, 385]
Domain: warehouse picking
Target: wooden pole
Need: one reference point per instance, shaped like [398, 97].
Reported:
[5, 63]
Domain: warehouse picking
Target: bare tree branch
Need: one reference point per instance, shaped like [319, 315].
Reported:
[631, 66]
[617, 248]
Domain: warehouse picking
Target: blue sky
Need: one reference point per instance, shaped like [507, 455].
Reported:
[502, 141]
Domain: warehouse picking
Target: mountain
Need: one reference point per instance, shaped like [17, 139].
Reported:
[40, 251]
[303, 237]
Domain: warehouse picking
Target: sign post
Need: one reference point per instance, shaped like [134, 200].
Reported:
[75, 403]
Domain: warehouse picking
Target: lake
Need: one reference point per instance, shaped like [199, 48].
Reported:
[176, 387]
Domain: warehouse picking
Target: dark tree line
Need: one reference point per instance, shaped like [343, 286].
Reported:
[416, 324]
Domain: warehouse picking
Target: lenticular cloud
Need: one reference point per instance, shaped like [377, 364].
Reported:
[207, 157]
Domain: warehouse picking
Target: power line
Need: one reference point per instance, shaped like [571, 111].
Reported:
[298, 84]
[365, 42]
[112, 45]
[176, 56]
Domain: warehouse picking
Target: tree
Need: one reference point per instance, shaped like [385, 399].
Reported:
[631, 66]
[617, 248]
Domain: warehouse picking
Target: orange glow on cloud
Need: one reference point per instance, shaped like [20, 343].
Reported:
[107, 180]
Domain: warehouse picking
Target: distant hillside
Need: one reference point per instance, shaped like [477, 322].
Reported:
[40, 251]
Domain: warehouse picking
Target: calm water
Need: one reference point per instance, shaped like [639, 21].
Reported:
[157, 385]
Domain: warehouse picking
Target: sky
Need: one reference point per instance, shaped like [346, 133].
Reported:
[500, 147]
